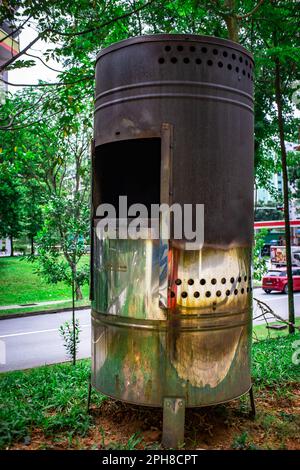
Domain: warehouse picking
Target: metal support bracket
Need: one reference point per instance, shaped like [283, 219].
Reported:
[89, 394]
[252, 403]
[173, 422]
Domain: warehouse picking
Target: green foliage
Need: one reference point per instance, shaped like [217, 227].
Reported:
[241, 442]
[20, 284]
[51, 398]
[259, 262]
[272, 363]
[70, 335]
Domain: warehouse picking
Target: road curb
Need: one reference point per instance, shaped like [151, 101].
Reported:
[41, 312]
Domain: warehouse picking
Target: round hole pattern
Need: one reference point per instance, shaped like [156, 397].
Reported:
[210, 63]
[196, 294]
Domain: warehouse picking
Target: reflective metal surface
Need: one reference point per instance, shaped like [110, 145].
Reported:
[166, 321]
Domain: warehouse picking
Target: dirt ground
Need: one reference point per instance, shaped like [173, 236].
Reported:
[116, 425]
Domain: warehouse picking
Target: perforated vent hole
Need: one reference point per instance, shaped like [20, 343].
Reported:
[228, 292]
[198, 61]
[229, 66]
[186, 60]
[190, 282]
[242, 290]
[223, 280]
[178, 282]
[174, 60]
[233, 56]
[232, 280]
[192, 48]
[207, 294]
[225, 54]
[180, 48]
[204, 50]
[214, 281]
[215, 51]
[218, 293]
[161, 60]
[210, 62]
[241, 59]
[235, 291]
[202, 282]
[196, 294]
[172, 294]
[184, 295]
[220, 64]
[168, 48]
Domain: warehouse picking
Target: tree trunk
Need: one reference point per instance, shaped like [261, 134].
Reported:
[32, 245]
[78, 292]
[232, 21]
[11, 246]
[278, 97]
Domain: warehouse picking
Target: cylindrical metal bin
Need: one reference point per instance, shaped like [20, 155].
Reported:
[174, 124]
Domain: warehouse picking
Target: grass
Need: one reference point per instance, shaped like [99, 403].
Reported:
[21, 285]
[261, 332]
[272, 361]
[52, 307]
[52, 399]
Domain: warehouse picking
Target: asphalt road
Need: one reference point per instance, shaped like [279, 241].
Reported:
[34, 341]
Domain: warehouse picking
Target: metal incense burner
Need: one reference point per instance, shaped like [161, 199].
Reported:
[171, 327]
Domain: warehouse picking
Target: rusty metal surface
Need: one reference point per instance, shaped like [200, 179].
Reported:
[211, 109]
[197, 348]
[166, 321]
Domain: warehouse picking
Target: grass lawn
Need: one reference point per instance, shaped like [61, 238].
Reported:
[21, 285]
[261, 332]
[45, 408]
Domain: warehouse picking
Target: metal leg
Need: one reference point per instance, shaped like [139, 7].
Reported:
[89, 395]
[173, 422]
[252, 403]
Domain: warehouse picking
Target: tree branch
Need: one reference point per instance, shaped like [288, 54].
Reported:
[242, 17]
[12, 33]
[103, 25]
[90, 77]
[15, 57]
